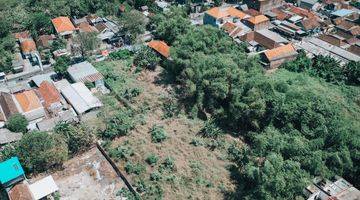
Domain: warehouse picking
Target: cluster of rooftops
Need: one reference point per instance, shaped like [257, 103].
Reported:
[17, 187]
[51, 101]
[277, 30]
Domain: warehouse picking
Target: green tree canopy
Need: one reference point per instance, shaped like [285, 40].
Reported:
[39, 151]
[17, 123]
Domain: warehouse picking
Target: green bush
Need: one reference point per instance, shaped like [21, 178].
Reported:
[168, 164]
[170, 108]
[120, 55]
[152, 159]
[119, 125]
[39, 151]
[196, 142]
[211, 130]
[137, 168]
[78, 137]
[158, 134]
[146, 58]
[121, 153]
[125, 192]
[155, 176]
[17, 123]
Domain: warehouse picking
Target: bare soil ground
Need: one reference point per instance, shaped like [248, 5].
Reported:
[200, 172]
[88, 177]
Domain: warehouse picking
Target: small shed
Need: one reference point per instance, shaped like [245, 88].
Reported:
[85, 72]
[43, 188]
[11, 172]
[7, 136]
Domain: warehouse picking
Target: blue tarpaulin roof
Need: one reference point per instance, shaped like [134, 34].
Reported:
[10, 170]
[342, 12]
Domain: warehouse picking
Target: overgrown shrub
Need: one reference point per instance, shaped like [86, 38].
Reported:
[168, 164]
[120, 55]
[155, 176]
[119, 125]
[39, 151]
[78, 137]
[211, 130]
[17, 123]
[121, 153]
[146, 58]
[152, 159]
[137, 168]
[158, 134]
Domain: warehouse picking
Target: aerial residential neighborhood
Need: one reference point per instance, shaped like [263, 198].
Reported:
[251, 99]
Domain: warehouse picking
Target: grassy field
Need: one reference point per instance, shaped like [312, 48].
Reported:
[181, 165]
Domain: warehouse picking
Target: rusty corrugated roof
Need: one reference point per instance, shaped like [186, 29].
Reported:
[49, 93]
[161, 47]
[28, 100]
[62, 24]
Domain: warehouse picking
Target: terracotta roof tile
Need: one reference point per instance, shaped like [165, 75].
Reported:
[310, 23]
[28, 46]
[22, 35]
[20, 191]
[280, 15]
[161, 47]
[303, 12]
[218, 12]
[229, 27]
[258, 19]
[44, 40]
[86, 27]
[49, 93]
[252, 12]
[62, 24]
[28, 100]
[279, 52]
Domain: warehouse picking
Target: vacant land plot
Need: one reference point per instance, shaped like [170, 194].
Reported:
[88, 177]
[184, 165]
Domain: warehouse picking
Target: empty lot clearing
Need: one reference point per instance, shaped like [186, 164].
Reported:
[200, 170]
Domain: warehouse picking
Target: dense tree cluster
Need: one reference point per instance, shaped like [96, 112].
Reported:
[327, 68]
[38, 151]
[296, 125]
[17, 123]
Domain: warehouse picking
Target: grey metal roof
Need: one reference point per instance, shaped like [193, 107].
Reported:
[84, 72]
[38, 79]
[273, 36]
[334, 49]
[7, 136]
[80, 97]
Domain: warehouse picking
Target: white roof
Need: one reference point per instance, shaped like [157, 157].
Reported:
[80, 97]
[43, 187]
[82, 71]
[295, 18]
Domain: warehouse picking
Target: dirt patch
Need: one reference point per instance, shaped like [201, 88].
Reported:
[200, 172]
[88, 177]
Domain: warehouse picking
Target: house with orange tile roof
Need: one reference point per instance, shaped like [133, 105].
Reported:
[273, 58]
[257, 22]
[219, 15]
[63, 26]
[232, 29]
[50, 96]
[160, 47]
[28, 47]
[29, 105]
